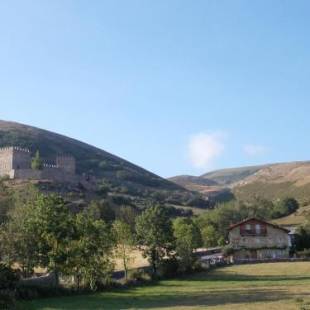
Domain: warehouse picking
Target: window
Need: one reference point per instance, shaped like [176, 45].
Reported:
[258, 229]
[248, 227]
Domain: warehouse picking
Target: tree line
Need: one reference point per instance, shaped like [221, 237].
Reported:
[42, 230]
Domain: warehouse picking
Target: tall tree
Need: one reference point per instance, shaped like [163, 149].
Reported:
[54, 224]
[154, 234]
[188, 238]
[19, 238]
[37, 163]
[91, 250]
[124, 243]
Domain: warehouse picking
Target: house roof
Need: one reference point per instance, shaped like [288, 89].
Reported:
[260, 221]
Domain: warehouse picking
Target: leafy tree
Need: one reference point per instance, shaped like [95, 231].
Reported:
[5, 201]
[91, 250]
[37, 163]
[154, 234]
[302, 239]
[128, 214]
[19, 238]
[210, 237]
[124, 243]
[285, 207]
[104, 209]
[188, 238]
[53, 222]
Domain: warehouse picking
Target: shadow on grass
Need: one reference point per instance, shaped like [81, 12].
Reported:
[223, 277]
[133, 299]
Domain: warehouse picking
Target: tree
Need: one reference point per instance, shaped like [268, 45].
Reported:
[188, 238]
[124, 243]
[41, 231]
[285, 207]
[210, 237]
[154, 234]
[91, 250]
[302, 239]
[19, 238]
[53, 222]
[37, 163]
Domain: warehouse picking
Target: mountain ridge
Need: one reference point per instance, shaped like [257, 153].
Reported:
[271, 181]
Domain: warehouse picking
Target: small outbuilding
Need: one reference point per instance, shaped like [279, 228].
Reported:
[255, 239]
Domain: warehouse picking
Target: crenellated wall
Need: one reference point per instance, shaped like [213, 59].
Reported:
[15, 162]
[67, 163]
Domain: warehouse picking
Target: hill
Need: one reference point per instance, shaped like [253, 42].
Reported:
[114, 174]
[270, 181]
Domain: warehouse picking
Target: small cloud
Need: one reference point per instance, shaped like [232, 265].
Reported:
[255, 150]
[204, 148]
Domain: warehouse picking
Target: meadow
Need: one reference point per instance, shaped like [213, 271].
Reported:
[261, 286]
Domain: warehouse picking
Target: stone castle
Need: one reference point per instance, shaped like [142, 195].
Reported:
[15, 162]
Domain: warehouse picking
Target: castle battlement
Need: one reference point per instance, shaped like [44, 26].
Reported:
[16, 161]
[14, 148]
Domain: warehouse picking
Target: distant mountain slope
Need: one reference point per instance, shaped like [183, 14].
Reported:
[271, 181]
[231, 175]
[185, 180]
[277, 181]
[116, 173]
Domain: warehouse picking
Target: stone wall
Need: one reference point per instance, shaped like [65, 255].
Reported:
[21, 158]
[15, 162]
[67, 163]
[274, 238]
[54, 174]
[274, 244]
[6, 160]
[14, 158]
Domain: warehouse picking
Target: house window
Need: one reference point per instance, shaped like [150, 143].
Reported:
[258, 229]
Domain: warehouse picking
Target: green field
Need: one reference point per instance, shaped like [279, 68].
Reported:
[262, 286]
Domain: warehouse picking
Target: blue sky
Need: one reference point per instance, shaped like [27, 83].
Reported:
[178, 87]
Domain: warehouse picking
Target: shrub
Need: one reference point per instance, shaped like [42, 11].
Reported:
[138, 275]
[7, 300]
[8, 278]
[168, 268]
[228, 251]
[304, 253]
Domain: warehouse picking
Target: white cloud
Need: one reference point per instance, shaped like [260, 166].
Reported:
[254, 150]
[205, 147]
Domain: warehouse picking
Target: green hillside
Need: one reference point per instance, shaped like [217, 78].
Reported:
[115, 174]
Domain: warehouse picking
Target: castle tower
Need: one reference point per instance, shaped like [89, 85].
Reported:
[67, 163]
[14, 158]
[21, 158]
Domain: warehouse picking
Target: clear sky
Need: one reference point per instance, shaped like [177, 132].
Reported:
[177, 87]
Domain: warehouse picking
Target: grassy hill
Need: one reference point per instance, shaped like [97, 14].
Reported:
[115, 174]
[273, 181]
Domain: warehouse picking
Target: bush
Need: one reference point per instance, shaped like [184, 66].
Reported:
[169, 268]
[7, 300]
[8, 282]
[28, 292]
[8, 278]
[304, 253]
[228, 251]
[138, 275]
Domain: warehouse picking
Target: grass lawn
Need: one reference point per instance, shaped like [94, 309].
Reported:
[263, 286]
